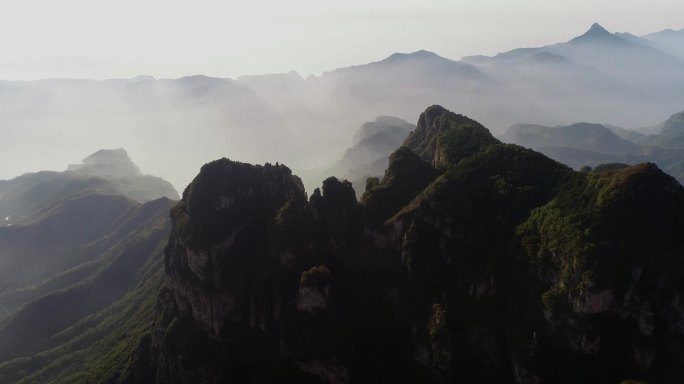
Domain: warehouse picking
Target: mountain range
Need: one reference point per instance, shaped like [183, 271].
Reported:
[469, 260]
[617, 79]
[74, 244]
[585, 144]
[109, 172]
[56, 222]
[369, 154]
[536, 237]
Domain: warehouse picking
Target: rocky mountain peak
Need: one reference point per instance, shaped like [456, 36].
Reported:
[426, 279]
[108, 163]
[229, 195]
[597, 34]
[442, 137]
[597, 29]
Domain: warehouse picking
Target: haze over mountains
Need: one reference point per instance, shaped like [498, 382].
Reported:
[668, 40]
[471, 260]
[173, 211]
[73, 243]
[369, 153]
[174, 126]
[31, 196]
[50, 219]
[585, 144]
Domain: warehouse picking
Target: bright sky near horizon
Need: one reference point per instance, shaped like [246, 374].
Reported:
[173, 38]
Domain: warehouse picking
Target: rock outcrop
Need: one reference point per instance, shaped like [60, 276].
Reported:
[470, 261]
[109, 163]
[31, 196]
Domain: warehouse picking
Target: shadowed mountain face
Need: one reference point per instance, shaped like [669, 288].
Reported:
[469, 261]
[95, 309]
[79, 260]
[85, 275]
[52, 244]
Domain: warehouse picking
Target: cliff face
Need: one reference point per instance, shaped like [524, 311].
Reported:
[229, 267]
[608, 253]
[471, 260]
[223, 237]
[442, 137]
[265, 286]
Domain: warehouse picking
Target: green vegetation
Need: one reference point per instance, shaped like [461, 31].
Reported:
[470, 261]
[404, 178]
[444, 138]
[585, 144]
[589, 231]
[94, 316]
[99, 348]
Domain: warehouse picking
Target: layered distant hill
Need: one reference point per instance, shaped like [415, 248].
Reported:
[667, 40]
[55, 221]
[72, 244]
[174, 125]
[584, 144]
[369, 154]
[595, 75]
[29, 197]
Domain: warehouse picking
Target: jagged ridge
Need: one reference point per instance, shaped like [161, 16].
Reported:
[498, 265]
[466, 254]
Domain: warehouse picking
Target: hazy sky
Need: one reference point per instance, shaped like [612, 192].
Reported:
[170, 38]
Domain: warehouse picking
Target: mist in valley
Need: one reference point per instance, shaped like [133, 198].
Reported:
[330, 194]
[172, 126]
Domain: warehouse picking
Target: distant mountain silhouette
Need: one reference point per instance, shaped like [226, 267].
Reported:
[107, 164]
[668, 40]
[109, 289]
[422, 63]
[616, 55]
[597, 34]
[674, 126]
[612, 53]
[369, 154]
[108, 172]
[307, 122]
[584, 144]
[593, 137]
[73, 243]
